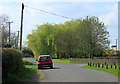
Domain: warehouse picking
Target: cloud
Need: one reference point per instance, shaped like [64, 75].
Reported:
[4, 9]
[111, 17]
[111, 22]
[89, 7]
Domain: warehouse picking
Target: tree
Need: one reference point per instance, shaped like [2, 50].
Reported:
[94, 34]
[65, 38]
[5, 33]
[41, 41]
[27, 52]
[72, 39]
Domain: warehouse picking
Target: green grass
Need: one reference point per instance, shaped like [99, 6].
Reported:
[69, 61]
[24, 75]
[109, 70]
[41, 76]
[27, 63]
[84, 61]
[61, 60]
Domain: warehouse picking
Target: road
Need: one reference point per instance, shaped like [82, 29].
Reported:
[72, 73]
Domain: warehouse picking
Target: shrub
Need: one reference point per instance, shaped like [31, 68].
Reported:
[27, 63]
[11, 61]
[110, 52]
[27, 52]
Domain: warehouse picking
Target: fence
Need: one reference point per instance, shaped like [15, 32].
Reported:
[114, 66]
[85, 60]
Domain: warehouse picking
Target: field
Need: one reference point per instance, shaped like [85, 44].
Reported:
[84, 61]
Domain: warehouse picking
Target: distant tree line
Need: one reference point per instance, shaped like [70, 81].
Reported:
[14, 39]
[72, 39]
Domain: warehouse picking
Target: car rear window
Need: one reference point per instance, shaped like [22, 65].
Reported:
[44, 59]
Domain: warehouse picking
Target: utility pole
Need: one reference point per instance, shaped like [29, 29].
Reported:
[21, 26]
[112, 56]
[116, 47]
[9, 30]
[17, 38]
[112, 52]
[89, 55]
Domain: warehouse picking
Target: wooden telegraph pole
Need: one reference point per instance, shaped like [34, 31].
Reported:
[21, 26]
[18, 38]
[9, 30]
[116, 47]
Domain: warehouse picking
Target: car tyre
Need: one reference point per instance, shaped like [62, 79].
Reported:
[51, 67]
[39, 67]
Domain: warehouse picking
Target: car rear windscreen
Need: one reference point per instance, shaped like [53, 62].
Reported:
[44, 59]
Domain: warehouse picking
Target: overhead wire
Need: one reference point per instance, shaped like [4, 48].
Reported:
[49, 12]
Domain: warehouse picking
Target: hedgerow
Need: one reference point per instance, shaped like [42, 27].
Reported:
[11, 61]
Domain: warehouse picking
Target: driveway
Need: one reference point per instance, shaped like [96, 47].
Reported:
[72, 73]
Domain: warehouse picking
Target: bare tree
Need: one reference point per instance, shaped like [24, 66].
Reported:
[5, 33]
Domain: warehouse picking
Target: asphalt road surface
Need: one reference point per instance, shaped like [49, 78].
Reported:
[72, 73]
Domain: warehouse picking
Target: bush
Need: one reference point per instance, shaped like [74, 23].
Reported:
[27, 63]
[27, 52]
[11, 61]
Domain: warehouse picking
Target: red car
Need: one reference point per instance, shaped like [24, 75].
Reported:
[44, 61]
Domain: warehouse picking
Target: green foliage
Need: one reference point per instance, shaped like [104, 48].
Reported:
[27, 63]
[11, 61]
[27, 52]
[4, 19]
[23, 76]
[94, 35]
[70, 40]
[42, 41]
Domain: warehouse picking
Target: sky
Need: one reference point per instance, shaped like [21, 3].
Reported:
[105, 10]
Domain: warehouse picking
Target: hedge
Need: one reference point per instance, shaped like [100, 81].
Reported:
[11, 61]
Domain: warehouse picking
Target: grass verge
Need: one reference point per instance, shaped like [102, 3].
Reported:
[61, 60]
[41, 76]
[24, 75]
[67, 61]
[27, 63]
[109, 70]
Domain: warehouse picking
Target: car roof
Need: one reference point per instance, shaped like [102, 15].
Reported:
[43, 55]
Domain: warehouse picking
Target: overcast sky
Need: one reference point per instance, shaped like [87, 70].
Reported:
[106, 11]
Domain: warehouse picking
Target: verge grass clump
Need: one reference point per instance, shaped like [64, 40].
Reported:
[14, 69]
[109, 69]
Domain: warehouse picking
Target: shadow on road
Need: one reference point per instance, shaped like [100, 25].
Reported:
[47, 68]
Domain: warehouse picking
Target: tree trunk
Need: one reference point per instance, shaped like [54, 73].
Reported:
[57, 55]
